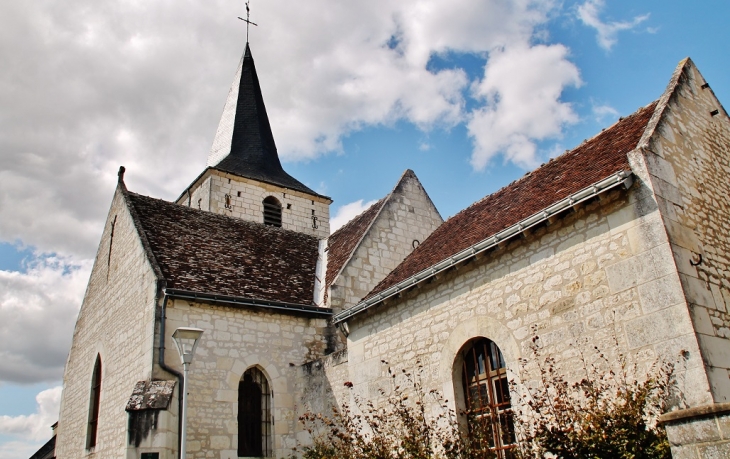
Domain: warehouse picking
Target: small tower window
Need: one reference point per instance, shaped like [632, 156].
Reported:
[94, 405]
[272, 212]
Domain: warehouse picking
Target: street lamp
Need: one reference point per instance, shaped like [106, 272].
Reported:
[186, 340]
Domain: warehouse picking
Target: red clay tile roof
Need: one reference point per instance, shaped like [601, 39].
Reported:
[203, 252]
[344, 241]
[592, 161]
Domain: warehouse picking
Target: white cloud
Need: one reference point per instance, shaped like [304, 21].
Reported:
[36, 426]
[37, 313]
[93, 86]
[521, 88]
[589, 13]
[347, 212]
[603, 111]
[20, 449]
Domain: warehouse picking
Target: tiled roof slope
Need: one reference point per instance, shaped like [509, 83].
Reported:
[344, 241]
[203, 252]
[569, 173]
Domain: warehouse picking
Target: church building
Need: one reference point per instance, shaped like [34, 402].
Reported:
[626, 235]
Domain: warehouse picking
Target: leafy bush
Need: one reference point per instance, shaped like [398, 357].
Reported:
[608, 414]
[397, 429]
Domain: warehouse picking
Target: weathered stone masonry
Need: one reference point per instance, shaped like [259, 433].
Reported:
[116, 321]
[246, 197]
[604, 270]
[237, 339]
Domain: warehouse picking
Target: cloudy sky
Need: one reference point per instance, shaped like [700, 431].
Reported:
[470, 94]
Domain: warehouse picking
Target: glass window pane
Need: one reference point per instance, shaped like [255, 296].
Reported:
[486, 392]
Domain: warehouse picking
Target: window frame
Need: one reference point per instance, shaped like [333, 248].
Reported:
[485, 393]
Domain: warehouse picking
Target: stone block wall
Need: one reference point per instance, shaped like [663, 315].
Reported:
[700, 433]
[604, 271]
[245, 201]
[407, 219]
[236, 339]
[315, 391]
[689, 162]
[199, 197]
[116, 321]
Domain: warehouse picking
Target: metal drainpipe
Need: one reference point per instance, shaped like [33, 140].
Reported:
[163, 365]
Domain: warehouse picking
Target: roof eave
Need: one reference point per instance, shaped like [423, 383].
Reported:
[622, 178]
[228, 300]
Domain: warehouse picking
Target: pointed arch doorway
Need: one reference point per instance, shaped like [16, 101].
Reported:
[254, 415]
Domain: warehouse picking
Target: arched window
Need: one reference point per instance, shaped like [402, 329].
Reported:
[254, 415]
[94, 405]
[486, 395]
[272, 212]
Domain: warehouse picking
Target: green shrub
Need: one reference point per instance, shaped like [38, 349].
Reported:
[610, 413]
[397, 429]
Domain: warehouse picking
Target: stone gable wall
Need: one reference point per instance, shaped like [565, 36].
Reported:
[604, 271]
[116, 321]
[408, 216]
[234, 340]
[689, 159]
[249, 206]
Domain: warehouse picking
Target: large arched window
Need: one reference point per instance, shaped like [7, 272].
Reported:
[272, 211]
[254, 415]
[93, 425]
[486, 395]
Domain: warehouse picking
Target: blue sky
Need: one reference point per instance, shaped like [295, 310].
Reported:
[470, 98]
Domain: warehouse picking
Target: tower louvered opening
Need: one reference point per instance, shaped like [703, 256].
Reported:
[272, 212]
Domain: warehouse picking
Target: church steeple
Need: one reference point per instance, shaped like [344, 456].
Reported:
[244, 144]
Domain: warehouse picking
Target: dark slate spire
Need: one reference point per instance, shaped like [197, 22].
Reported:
[244, 144]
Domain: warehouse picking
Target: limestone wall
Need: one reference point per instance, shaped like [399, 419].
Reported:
[406, 220]
[116, 321]
[245, 198]
[316, 392]
[603, 271]
[235, 340]
[199, 197]
[689, 159]
[699, 433]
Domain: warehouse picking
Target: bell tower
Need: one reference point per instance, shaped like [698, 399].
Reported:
[244, 177]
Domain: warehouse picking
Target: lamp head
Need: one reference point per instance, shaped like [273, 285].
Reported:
[187, 339]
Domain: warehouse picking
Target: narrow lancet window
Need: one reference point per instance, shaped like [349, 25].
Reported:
[272, 212]
[486, 395]
[254, 415]
[94, 405]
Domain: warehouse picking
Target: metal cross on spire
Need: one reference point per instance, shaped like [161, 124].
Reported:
[247, 20]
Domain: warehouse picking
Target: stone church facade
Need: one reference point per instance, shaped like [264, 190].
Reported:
[626, 238]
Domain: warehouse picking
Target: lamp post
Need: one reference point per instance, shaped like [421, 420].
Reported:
[186, 340]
